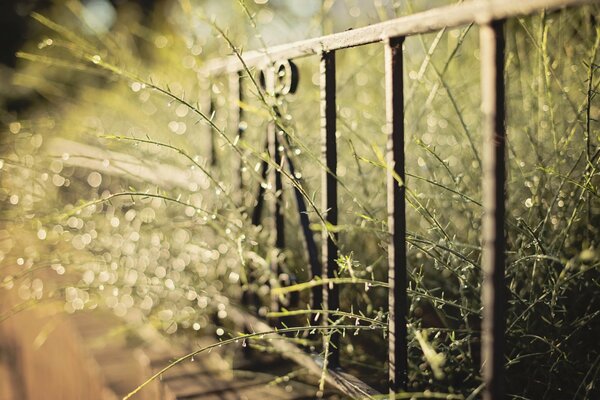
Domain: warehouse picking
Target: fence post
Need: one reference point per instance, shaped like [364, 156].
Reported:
[329, 196]
[316, 298]
[275, 184]
[236, 91]
[493, 290]
[396, 208]
[207, 106]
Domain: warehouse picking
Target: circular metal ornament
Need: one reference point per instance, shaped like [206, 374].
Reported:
[283, 75]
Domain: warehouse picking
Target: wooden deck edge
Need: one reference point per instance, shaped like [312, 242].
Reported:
[345, 383]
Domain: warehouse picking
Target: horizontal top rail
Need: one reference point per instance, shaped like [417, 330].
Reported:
[479, 11]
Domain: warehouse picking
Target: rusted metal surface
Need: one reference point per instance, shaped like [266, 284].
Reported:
[309, 241]
[397, 274]
[493, 235]
[479, 12]
[276, 187]
[236, 93]
[260, 193]
[329, 196]
[206, 104]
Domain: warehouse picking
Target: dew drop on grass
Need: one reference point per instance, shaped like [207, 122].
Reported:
[192, 359]
[94, 179]
[244, 344]
[58, 180]
[136, 86]
[45, 43]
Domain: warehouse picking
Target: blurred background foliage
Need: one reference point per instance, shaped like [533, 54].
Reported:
[113, 180]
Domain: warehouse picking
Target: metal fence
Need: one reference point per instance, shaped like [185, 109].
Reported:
[275, 63]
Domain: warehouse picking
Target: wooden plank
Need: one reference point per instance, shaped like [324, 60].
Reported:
[345, 383]
[113, 163]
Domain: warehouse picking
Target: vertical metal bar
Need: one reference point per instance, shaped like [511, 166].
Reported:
[249, 298]
[493, 290]
[329, 195]
[396, 208]
[213, 145]
[208, 108]
[311, 247]
[276, 186]
[260, 195]
[237, 123]
[279, 222]
[235, 118]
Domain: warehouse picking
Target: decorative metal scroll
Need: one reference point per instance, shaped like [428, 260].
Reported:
[279, 80]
